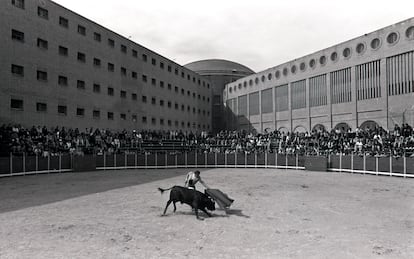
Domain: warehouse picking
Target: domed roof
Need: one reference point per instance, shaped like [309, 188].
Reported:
[218, 66]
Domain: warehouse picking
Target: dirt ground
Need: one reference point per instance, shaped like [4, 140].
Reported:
[276, 214]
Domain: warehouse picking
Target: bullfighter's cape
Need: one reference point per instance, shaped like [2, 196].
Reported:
[221, 198]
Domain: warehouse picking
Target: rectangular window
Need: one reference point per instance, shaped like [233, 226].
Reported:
[63, 22]
[153, 121]
[144, 78]
[80, 112]
[144, 99]
[110, 116]
[111, 67]
[169, 68]
[81, 30]
[97, 36]
[162, 84]
[18, 3]
[134, 75]
[153, 100]
[123, 71]
[62, 80]
[134, 53]
[161, 65]
[144, 119]
[41, 75]
[123, 116]
[17, 35]
[42, 44]
[17, 70]
[153, 81]
[176, 71]
[80, 84]
[81, 57]
[134, 117]
[169, 86]
[161, 121]
[123, 48]
[63, 51]
[96, 62]
[111, 43]
[96, 114]
[161, 102]
[134, 97]
[41, 107]
[110, 91]
[144, 58]
[16, 104]
[153, 61]
[43, 13]
[169, 122]
[96, 88]
[123, 94]
[182, 92]
[176, 89]
[169, 104]
[62, 110]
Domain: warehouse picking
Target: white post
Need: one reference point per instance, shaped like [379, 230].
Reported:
[390, 165]
[365, 164]
[126, 161]
[376, 165]
[146, 160]
[166, 160]
[286, 161]
[186, 159]
[114, 160]
[352, 162]
[136, 159]
[156, 159]
[255, 160]
[297, 160]
[276, 159]
[340, 162]
[37, 162]
[11, 163]
[215, 159]
[176, 160]
[235, 159]
[195, 156]
[245, 160]
[266, 160]
[225, 159]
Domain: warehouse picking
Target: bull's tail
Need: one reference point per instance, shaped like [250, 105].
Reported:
[163, 190]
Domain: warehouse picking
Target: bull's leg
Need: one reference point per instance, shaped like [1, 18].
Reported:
[168, 204]
[196, 213]
[206, 212]
[175, 207]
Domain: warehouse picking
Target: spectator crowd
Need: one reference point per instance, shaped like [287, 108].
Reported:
[38, 140]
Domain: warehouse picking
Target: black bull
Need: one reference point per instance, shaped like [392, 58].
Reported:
[197, 200]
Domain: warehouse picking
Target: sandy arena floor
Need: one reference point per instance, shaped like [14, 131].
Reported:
[276, 214]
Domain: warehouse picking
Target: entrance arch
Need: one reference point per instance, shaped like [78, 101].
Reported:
[343, 127]
[318, 128]
[368, 125]
[300, 129]
[283, 129]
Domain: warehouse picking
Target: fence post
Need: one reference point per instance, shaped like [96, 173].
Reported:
[266, 159]
[48, 163]
[114, 160]
[136, 160]
[11, 163]
[255, 159]
[186, 159]
[195, 157]
[365, 164]
[215, 159]
[297, 160]
[37, 162]
[376, 165]
[176, 160]
[104, 157]
[235, 159]
[276, 155]
[352, 162]
[340, 162]
[286, 161]
[24, 162]
[146, 160]
[245, 160]
[156, 159]
[126, 161]
[390, 165]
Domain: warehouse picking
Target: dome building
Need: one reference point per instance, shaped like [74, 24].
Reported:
[219, 72]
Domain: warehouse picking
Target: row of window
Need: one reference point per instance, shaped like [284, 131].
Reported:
[62, 110]
[64, 22]
[80, 84]
[392, 39]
